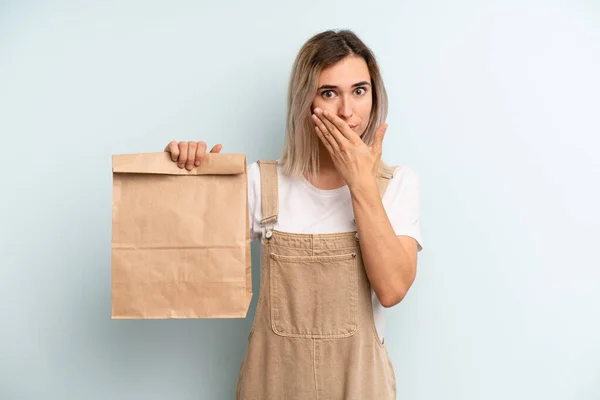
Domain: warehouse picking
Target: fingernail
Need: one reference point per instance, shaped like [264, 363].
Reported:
[197, 163]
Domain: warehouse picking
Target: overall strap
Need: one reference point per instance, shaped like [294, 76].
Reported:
[269, 191]
[384, 174]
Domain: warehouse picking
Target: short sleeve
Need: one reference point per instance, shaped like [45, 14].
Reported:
[401, 202]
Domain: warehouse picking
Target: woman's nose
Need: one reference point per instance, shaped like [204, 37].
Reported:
[345, 109]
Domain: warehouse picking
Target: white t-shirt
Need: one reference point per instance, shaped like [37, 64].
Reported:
[305, 209]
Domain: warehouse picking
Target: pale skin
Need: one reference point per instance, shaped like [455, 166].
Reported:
[341, 110]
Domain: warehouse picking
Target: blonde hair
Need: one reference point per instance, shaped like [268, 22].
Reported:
[301, 148]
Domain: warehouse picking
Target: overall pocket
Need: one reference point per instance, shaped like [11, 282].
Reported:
[314, 296]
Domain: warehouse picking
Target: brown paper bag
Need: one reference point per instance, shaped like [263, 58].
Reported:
[180, 239]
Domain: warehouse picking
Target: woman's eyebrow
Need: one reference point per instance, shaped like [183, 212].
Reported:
[363, 83]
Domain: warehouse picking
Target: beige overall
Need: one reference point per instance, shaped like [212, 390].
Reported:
[313, 336]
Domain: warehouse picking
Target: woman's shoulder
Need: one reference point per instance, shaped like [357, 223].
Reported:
[404, 172]
[403, 180]
[254, 175]
[397, 172]
[253, 169]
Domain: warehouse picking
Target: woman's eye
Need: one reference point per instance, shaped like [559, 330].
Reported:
[326, 94]
[360, 91]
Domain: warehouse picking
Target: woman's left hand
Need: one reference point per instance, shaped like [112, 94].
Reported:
[356, 162]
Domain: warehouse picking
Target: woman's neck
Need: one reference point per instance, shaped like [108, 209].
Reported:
[328, 177]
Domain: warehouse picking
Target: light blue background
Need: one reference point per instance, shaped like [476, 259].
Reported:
[494, 104]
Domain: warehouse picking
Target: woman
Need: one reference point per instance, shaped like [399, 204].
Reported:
[339, 234]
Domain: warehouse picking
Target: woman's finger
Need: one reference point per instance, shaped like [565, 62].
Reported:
[216, 148]
[342, 126]
[326, 134]
[335, 133]
[173, 149]
[325, 141]
[200, 153]
[183, 154]
[189, 164]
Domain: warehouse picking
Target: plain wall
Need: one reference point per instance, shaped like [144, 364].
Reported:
[494, 104]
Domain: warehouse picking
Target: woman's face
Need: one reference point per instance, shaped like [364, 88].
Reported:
[345, 90]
